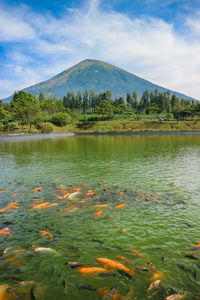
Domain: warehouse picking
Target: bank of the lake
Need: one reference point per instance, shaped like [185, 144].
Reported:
[112, 126]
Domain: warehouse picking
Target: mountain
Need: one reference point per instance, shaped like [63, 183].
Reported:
[97, 76]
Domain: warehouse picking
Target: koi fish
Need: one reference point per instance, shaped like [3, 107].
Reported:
[124, 259]
[92, 270]
[3, 291]
[120, 193]
[99, 206]
[37, 189]
[10, 206]
[154, 198]
[43, 249]
[142, 196]
[5, 230]
[198, 245]
[136, 252]
[69, 210]
[3, 191]
[103, 181]
[156, 276]
[75, 189]
[89, 193]
[63, 197]
[155, 284]
[180, 295]
[109, 294]
[63, 191]
[42, 205]
[138, 268]
[120, 205]
[108, 263]
[46, 233]
[152, 267]
[73, 195]
[83, 184]
[98, 212]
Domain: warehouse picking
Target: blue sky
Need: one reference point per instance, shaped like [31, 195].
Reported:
[157, 40]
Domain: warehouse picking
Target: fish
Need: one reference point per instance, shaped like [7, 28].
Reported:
[111, 264]
[152, 267]
[69, 210]
[198, 245]
[5, 231]
[187, 224]
[71, 196]
[10, 206]
[44, 205]
[99, 206]
[103, 181]
[85, 287]
[143, 269]
[46, 233]
[76, 264]
[109, 294]
[3, 291]
[120, 205]
[142, 196]
[63, 197]
[3, 191]
[75, 189]
[191, 256]
[124, 259]
[125, 274]
[37, 189]
[156, 275]
[83, 184]
[120, 193]
[155, 284]
[136, 252]
[97, 241]
[44, 249]
[80, 202]
[98, 212]
[63, 191]
[177, 296]
[92, 270]
[154, 198]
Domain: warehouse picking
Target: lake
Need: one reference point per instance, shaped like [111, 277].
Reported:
[156, 180]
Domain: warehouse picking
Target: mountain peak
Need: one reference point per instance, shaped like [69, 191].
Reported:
[96, 75]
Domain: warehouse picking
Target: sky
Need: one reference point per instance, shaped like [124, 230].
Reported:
[156, 40]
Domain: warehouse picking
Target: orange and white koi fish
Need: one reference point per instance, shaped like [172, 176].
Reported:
[98, 212]
[109, 294]
[180, 295]
[5, 230]
[124, 259]
[73, 195]
[155, 284]
[46, 233]
[92, 270]
[37, 189]
[111, 264]
[120, 205]
[99, 206]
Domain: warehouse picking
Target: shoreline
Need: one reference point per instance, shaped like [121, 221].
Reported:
[32, 136]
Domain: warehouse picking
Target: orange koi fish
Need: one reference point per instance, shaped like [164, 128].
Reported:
[75, 189]
[3, 191]
[198, 245]
[63, 191]
[10, 206]
[83, 184]
[180, 295]
[14, 194]
[156, 275]
[37, 189]
[98, 212]
[154, 199]
[5, 230]
[99, 206]
[136, 252]
[53, 204]
[41, 205]
[142, 196]
[120, 205]
[120, 193]
[103, 181]
[109, 263]
[152, 267]
[92, 270]
[124, 259]
[46, 233]
[90, 194]
[63, 197]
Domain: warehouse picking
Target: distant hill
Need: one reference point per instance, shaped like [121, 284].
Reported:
[97, 76]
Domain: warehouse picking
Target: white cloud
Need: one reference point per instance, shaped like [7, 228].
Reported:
[148, 47]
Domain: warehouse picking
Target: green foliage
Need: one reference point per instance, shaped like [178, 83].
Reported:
[60, 119]
[44, 128]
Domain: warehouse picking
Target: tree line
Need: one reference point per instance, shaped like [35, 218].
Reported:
[25, 108]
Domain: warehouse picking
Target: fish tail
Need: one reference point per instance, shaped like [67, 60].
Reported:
[131, 272]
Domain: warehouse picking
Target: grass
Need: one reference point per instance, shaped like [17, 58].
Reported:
[115, 126]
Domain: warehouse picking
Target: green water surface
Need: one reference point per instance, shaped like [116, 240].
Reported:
[163, 225]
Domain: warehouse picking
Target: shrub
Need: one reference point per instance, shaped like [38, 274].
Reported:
[61, 119]
[44, 128]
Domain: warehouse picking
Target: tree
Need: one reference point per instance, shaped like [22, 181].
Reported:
[105, 108]
[85, 103]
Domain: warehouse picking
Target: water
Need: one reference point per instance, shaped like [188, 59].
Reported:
[163, 225]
